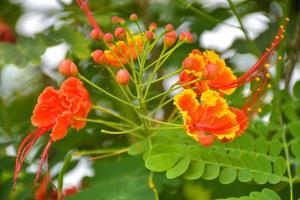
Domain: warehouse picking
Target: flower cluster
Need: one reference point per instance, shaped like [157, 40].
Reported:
[206, 77]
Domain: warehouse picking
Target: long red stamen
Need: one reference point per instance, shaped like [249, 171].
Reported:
[83, 4]
[24, 150]
[257, 67]
[43, 159]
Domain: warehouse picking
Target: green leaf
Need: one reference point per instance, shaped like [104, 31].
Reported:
[245, 175]
[138, 147]
[270, 194]
[228, 175]
[265, 164]
[211, 171]
[296, 89]
[195, 170]
[275, 148]
[289, 111]
[261, 178]
[116, 179]
[279, 166]
[261, 146]
[295, 147]
[250, 161]
[294, 128]
[274, 179]
[179, 168]
[161, 162]
[265, 194]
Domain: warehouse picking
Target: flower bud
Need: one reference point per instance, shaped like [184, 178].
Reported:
[149, 36]
[68, 68]
[96, 34]
[120, 33]
[152, 26]
[133, 17]
[115, 19]
[211, 71]
[99, 57]
[186, 37]
[169, 27]
[123, 77]
[108, 37]
[170, 39]
[187, 63]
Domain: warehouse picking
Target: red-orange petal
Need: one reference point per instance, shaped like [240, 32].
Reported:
[46, 110]
[60, 129]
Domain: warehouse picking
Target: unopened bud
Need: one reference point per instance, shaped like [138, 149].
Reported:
[133, 17]
[68, 68]
[120, 33]
[169, 27]
[170, 39]
[187, 63]
[99, 57]
[123, 77]
[108, 37]
[186, 37]
[152, 26]
[149, 36]
[115, 19]
[96, 34]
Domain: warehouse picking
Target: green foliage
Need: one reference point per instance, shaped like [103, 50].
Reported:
[246, 159]
[116, 179]
[265, 194]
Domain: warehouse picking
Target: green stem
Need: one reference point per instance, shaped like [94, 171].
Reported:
[152, 185]
[288, 164]
[114, 114]
[205, 15]
[104, 91]
[247, 36]
[98, 151]
[118, 126]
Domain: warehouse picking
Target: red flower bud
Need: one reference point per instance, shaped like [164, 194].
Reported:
[196, 51]
[121, 21]
[169, 27]
[187, 63]
[152, 26]
[133, 17]
[115, 19]
[120, 33]
[123, 77]
[186, 37]
[149, 35]
[68, 68]
[170, 39]
[108, 37]
[99, 57]
[6, 33]
[96, 34]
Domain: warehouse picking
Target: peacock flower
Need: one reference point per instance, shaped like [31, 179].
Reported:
[57, 110]
[203, 69]
[207, 77]
[211, 118]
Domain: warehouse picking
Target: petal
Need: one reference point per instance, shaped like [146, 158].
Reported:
[47, 109]
[242, 120]
[60, 129]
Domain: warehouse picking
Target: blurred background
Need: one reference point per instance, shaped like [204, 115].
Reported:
[35, 36]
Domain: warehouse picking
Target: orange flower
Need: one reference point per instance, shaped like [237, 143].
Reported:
[56, 110]
[205, 68]
[211, 119]
[122, 52]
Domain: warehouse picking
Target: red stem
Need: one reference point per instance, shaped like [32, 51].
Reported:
[84, 6]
